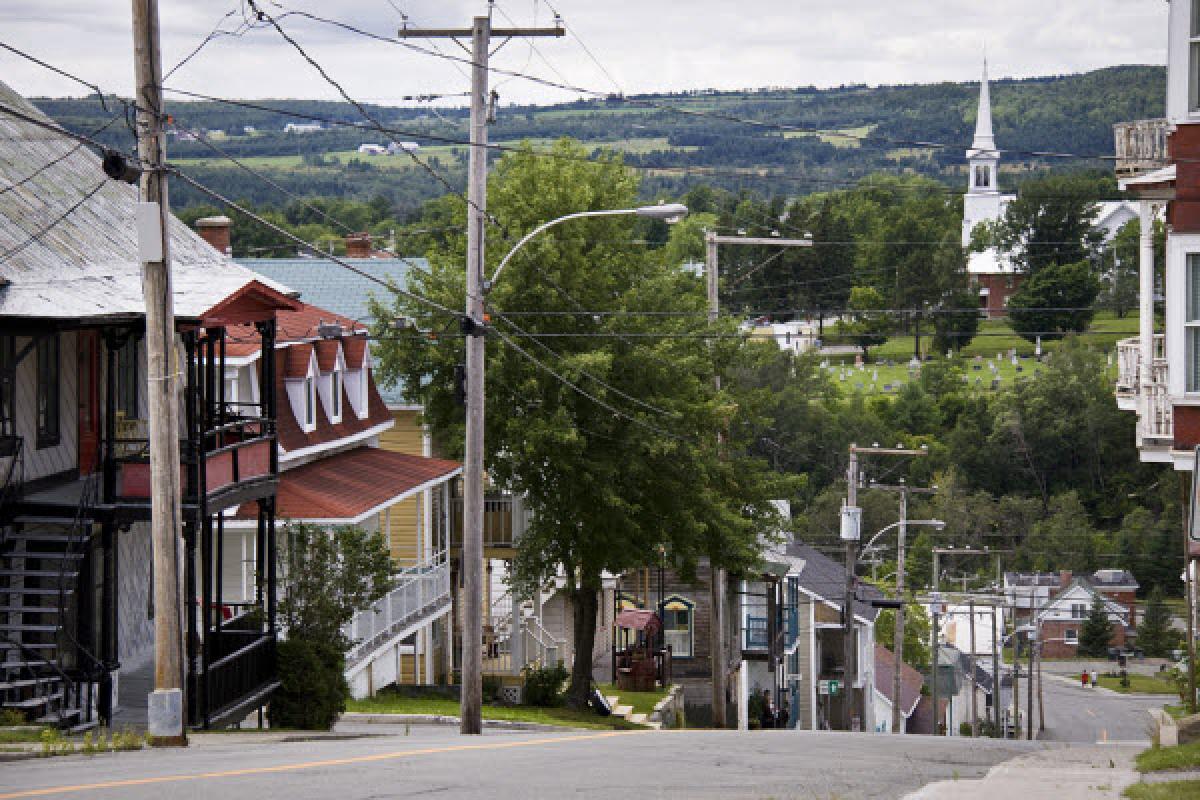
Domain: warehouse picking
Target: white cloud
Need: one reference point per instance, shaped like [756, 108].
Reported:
[647, 46]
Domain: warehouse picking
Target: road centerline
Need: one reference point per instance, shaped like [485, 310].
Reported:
[305, 765]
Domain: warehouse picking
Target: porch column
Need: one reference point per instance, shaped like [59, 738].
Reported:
[516, 631]
[1146, 299]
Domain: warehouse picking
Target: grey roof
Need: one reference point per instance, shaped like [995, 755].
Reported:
[1032, 579]
[824, 577]
[326, 284]
[1107, 578]
[67, 262]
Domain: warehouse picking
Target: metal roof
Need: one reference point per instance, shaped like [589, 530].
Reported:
[82, 263]
[825, 578]
[326, 284]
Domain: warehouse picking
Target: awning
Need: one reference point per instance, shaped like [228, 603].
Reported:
[350, 487]
[638, 619]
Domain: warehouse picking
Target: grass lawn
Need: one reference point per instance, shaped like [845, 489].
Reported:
[986, 358]
[1173, 790]
[642, 702]
[1138, 684]
[14, 735]
[1157, 759]
[448, 706]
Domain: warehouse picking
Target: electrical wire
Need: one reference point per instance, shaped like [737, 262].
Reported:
[74, 149]
[312, 248]
[49, 226]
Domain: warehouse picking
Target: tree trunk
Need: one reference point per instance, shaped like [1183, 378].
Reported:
[585, 601]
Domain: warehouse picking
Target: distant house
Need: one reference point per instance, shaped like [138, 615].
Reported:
[1061, 620]
[402, 147]
[302, 127]
[1030, 593]
[372, 149]
[249, 130]
[911, 682]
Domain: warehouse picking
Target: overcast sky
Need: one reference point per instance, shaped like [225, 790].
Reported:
[646, 45]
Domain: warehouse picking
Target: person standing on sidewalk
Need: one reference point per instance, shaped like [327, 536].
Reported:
[1083, 679]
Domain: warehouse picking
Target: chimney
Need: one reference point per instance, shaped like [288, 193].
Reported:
[215, 231]
[358, 245]
[1064, 578]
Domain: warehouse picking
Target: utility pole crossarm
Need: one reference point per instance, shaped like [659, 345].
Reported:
[464, 33]
[762, 241]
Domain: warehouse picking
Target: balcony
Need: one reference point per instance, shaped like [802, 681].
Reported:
[1140, 146]
[503, 522]
[1146, 394]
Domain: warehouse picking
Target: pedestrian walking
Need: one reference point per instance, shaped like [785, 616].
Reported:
[1083, 679]
[1095, 675]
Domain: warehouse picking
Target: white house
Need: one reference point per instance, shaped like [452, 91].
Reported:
[302, 127]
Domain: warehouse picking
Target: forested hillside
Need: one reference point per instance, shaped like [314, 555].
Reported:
[840, 135]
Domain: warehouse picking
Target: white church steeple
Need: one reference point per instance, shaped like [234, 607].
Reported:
[983, 156]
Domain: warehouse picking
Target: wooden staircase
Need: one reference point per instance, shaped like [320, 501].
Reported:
[44, 673]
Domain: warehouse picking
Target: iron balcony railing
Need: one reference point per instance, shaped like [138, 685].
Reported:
[1140, 146]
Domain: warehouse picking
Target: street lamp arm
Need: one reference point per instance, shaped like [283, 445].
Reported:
[933, 523]
[669, 212]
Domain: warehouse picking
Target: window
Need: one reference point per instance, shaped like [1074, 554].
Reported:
[1192, 322]
[983, 177]
[48, 391]
[335, 391]
[1071, 636]
[1078, 610]
[8, 385]
[127, 377]
[309, 403]
[1194, 59]
[678, 623]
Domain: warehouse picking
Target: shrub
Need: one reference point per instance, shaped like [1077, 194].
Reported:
[491, 688]
[544, 685]
[312, 685]
[964, 729]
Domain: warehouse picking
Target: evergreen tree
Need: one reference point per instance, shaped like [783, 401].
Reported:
[1155, 637]
[1097, 630]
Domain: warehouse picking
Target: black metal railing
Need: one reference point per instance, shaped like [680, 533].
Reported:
[245, 670]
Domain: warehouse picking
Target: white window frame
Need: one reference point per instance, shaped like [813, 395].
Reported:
[690, 632]
[335, 395]
[1191, 321]
[1071, 635]
[310, 402]
[1193, 58]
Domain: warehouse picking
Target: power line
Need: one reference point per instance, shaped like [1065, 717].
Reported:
[49, 226]
[215, 195]
[75, 148]
[583, 392]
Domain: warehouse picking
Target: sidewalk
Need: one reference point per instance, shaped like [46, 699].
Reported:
[1084, 772]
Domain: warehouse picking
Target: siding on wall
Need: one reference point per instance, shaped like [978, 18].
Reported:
[65, 455]
[403, 520]
[135, 627]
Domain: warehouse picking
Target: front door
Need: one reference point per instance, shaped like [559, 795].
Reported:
[88, 361]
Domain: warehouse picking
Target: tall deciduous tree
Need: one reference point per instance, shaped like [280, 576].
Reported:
[869, 322]
[1052, 222]
[1056, 300]
[609, 431]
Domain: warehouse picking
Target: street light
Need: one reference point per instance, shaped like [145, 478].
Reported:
[473, 326]
[668, 212]
[936, 524]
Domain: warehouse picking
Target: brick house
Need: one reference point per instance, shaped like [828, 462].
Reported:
[1061, 620]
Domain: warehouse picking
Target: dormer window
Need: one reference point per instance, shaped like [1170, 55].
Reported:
[310, 403]
[335, 391]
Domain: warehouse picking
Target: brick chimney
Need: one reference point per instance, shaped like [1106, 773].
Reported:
[1064, 578]
[358, 245]
[215, 231]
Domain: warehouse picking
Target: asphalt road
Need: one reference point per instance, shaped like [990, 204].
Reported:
[436, 762]
[1075, 714]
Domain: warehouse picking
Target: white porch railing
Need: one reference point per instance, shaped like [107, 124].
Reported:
[418, 591]
[1140, 146]
[540, 645]
[1153, 402]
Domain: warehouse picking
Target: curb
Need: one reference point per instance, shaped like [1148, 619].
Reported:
[440, 719]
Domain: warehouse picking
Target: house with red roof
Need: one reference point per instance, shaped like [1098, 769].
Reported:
[333, 472]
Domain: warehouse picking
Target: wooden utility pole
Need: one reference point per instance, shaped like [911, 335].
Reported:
[974, 688]
[717, 576]
[997, 731]
[849, 651]
[166, 703]
[480, 33]
[1032, 642]
[898, 630]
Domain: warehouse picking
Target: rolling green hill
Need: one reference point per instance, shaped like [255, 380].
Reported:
[845, 133]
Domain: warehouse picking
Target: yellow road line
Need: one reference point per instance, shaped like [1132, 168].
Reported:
[333, 762]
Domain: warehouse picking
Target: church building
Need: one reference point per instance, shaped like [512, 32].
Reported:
[990, 271]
